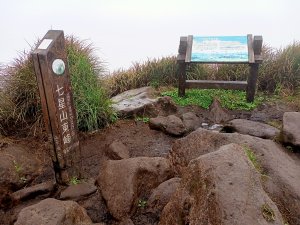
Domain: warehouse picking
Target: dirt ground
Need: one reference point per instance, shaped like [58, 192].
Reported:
[141, 141]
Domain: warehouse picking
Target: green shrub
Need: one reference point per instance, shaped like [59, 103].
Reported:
[20, 109]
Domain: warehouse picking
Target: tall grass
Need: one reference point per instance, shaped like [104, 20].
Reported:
[279, 72]
[20, 109]
[155, 72]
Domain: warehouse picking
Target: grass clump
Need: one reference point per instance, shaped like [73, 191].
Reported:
[20, 109]
[252, 157]
[230, 99]
[91, 101]
[268, 213]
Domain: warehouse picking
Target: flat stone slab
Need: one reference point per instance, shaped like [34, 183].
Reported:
[77, 191]
[31, 192]
[252, 128]
[291, 128]
[130, 102]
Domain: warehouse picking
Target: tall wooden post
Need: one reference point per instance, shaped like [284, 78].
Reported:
[51, 68]
[182, 66]
[254, 66]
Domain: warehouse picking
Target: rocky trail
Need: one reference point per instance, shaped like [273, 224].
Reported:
[163, 165]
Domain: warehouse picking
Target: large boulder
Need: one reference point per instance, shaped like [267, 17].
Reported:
[291, 128]
[53, 212]
[172, 125]
[123, 182]
[221, 187]
[281, 169]
[17, 168]
[252, 128]
[131, 102]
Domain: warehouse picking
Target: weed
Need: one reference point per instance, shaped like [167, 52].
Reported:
[252, 157]
[142, 203]
[290, 148]
[268, 213]
[17, 166]
[230, 99]
[74, 180]
[143, 119]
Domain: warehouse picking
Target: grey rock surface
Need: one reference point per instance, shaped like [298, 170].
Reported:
[131, 102]
[291, 128]
[252, 128]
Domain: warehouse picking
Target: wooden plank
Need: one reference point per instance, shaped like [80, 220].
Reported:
[181, 79]
[189, 49]
[211, 84]
[182, 49]
[257, 48]
[252, 79]
[250, 49]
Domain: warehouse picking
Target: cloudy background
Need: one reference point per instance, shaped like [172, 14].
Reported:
[126, 31]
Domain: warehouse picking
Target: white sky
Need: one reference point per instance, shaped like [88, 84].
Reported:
[126, 31]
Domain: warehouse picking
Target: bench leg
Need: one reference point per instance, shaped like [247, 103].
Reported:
[252, 78]
[181, 79]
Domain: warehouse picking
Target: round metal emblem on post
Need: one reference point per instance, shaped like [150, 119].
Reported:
[58, 66]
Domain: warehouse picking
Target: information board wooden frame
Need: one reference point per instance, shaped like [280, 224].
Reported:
[254, 59]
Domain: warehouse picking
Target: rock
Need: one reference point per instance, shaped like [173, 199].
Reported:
[252, 128]
[96, 208]
[166, 106]
[53, 212]
[221, 187]
[126, 222]
[191, 121]
[117, 150]
[122, 182]
[132, 102]
[291, 128]
[161, 195]
[281, 168]
[33, 191]
[170, 125]
[17, 168]
[78, 191]
[218, 114]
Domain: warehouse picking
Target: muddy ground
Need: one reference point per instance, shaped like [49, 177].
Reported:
[141, 141]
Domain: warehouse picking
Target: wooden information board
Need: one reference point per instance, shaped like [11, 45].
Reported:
[220, 49]
[51, 68]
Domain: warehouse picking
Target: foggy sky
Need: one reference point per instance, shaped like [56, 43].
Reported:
[126, 31]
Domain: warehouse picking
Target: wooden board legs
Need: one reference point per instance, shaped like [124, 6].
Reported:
[181, 79]
[252, 78]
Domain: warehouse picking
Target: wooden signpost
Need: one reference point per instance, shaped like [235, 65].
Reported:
[51, 68]
[220, 50]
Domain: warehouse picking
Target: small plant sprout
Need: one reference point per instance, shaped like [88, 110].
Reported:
[74, 180]
[17, 166]
[142, 203]
[143, 119]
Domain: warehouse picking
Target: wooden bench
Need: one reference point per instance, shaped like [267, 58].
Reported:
[220, 50]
